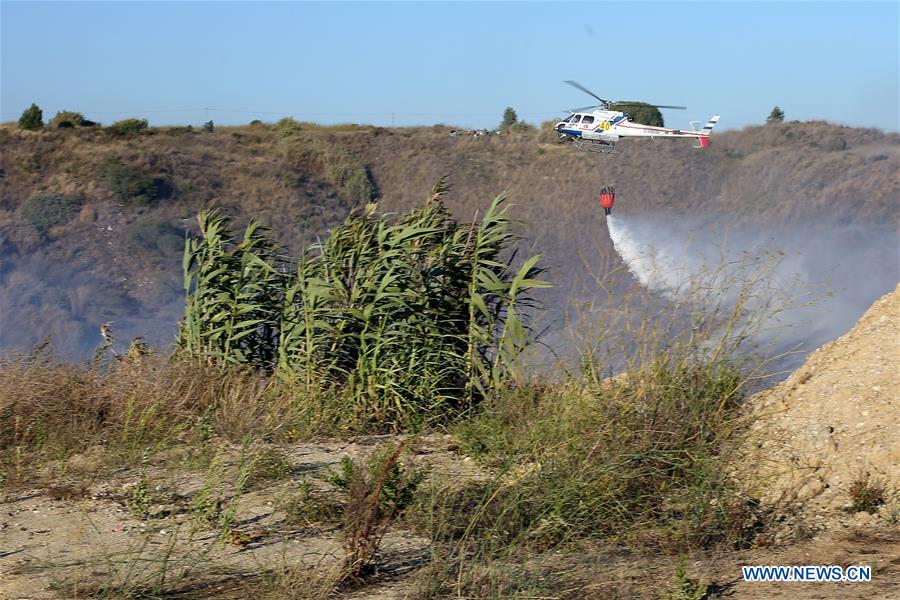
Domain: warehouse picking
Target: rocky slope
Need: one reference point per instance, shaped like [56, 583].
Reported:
[834, 425]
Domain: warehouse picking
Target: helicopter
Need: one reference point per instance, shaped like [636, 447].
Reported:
[597, 128]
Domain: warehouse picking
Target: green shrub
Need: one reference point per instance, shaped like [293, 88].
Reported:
[127, 126]
[156, 236]
[68, 119]
[286, 127]
[866, 494]
[49, 210]
[377, 493]
[133, 186]
[832, 142]
[32, 118]
[640, 112]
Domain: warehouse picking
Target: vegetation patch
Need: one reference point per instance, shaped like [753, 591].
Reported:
[129, 126]
[866, 494]
[302, 142]
[68, 119]
[132, 185]
[47, 210]
[156, 237]
[408, 320]
[32, 118]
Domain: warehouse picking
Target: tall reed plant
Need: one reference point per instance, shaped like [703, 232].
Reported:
[409, 318]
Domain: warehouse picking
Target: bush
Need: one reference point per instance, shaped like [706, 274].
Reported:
[547, 133]
[209, 127]
[832, 142]
[156, 236]
[286, 127]
[32, 118]
[68, 119]
[640, 112]
[49, 210]
[127, 126]
[132, 185]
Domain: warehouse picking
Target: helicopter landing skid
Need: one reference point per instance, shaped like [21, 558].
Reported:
[595, 146]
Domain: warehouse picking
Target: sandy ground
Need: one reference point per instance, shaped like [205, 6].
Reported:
[60, 542]
[836, 419]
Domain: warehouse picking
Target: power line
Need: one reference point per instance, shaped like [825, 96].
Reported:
[206, 111]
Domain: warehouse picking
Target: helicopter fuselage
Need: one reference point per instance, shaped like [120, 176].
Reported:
[605, 127]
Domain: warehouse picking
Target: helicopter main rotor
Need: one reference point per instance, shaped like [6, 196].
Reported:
[605, 104]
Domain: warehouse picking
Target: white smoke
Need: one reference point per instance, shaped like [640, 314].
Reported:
[815, 280]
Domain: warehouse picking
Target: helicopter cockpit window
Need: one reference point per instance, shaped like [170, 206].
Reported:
[588, 119]
[574, 118]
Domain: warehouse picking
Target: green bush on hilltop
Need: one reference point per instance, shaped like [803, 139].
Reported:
[127, 126]
[68, 119]
[32, 118]
[640, 112]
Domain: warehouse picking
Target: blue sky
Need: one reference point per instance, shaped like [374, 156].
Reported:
[457, 63]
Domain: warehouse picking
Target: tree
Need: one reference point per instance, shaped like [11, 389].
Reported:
[640, 112]
[32, 118]
[510, 118]
[776, 116]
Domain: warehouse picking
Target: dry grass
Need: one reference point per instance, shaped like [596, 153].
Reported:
[131, 409]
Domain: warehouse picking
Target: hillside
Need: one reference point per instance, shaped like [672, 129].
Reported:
[92, 222]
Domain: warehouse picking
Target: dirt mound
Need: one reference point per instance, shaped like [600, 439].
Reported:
[834, 425]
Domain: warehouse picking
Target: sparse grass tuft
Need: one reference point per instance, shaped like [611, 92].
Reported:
[866, 494]
[377, 494]
[308, 505]
[264, 465]
[685, 588]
